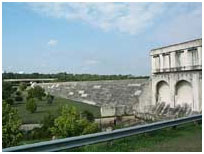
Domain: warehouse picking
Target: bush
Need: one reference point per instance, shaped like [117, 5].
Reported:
[18, 93]
[9, 101]
[31, 105]
[69, 123]
[18, 98]
[22, 86]
[36, 92]
[88, 115]
[7, 90]
[50, 99]
[10, 126]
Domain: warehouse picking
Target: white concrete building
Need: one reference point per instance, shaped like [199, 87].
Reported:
[177, 75]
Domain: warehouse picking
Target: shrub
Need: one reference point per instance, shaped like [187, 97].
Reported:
[18, 93]
[88, 115]
[9, 101]
[31, 105]
[50, 99]
[36, 92]
[18, 98]
[69, 123]
[7, 90]
[10, 126]
[22, 86]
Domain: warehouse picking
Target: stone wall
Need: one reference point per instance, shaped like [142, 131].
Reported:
[115, 97]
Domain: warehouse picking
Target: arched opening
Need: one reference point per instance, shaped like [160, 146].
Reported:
[184, 93]
[163, 92]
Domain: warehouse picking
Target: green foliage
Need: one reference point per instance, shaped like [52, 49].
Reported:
[44, 131]
[63, 76]
[36, 92]
[88, 115]
[31, 105]
[18, 93]
[69, 123]
[10, 126]
[50, 99]
[7, 90]
[22, 86]
[18, 98]
[9, 101]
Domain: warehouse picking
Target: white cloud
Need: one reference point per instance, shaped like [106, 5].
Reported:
[52, 43]
[186, 25]
[131, 18]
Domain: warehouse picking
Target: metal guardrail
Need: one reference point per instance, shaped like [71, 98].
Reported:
[72, 142]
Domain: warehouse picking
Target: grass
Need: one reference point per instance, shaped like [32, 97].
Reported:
[186, 138]
[43, 109]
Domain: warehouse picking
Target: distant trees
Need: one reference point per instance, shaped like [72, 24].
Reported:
[10, 126]
[63, 76]
[70, 123]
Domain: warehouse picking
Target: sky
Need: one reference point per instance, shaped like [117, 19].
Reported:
[95, 38]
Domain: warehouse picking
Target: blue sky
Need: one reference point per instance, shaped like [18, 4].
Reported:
[96, 38]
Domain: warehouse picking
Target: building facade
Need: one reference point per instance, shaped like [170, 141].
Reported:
[177, 75]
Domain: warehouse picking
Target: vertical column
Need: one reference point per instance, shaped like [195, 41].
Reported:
[154, 91]
[195, 88]
[185, 61]
[172, 82]
[199, 55]
[153, 64]
[161, 62]
[173, 59]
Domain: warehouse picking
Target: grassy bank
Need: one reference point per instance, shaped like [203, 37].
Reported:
[187, 138]
[43, 109]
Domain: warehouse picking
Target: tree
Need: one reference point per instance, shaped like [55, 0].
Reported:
[36, 92]
[50, 99]
[10, 126]
[88, 115]
[22, 86]
[9, 101]
[69, 123]
[7, 90]
[31, 105]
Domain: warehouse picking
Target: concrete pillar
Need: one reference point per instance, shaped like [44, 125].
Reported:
[172, 83]
[154, 91]
[173, 59]
[186, 58]
[199, 55]
[153, 64]
[161, 62]
[195, 88]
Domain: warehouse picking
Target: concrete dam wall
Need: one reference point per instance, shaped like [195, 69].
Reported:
[115, 97]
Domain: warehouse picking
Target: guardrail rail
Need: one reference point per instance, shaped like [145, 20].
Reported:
[72, 142]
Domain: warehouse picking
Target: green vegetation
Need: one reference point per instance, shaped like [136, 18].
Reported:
[70, 77]
[31, 106]
[22, 86]
[70, 123]
[44, 109]
[50, 98]
[187, 138]
[7, 90]
[36, 92]
[10, 126]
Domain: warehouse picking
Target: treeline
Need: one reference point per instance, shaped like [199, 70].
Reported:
[70, 77]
